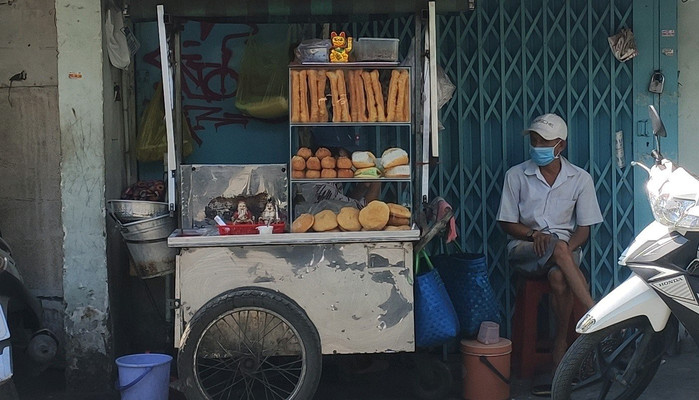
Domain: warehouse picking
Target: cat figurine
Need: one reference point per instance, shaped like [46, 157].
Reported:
[341, 47]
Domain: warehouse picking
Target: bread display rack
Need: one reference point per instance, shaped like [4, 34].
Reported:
[370, 102]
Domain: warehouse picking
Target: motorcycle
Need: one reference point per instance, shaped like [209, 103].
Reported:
[624, 336]
[21, 327]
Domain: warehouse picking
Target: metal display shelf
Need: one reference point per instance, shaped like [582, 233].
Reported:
[211, 238]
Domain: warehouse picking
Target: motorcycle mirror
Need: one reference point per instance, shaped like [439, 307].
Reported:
[656, 122]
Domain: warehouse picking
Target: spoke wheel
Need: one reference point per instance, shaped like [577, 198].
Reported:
[616, 363]
[250, 344]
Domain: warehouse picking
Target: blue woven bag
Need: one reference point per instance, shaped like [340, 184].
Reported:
[465, 277]
[436, 321]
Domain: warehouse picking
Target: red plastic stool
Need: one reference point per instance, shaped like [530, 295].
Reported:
[530, 355]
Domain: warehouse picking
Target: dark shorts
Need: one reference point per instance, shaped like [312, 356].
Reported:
[523, 258]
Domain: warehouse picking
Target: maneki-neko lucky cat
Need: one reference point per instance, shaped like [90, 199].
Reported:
[341, 47]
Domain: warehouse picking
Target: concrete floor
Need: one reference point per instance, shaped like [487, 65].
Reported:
[675, 380]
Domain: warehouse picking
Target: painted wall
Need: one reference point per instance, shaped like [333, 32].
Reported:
[30, 151]
[688, 43]
[82, 88]
[211, 66]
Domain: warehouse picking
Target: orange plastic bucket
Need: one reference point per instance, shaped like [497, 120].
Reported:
[486, 370]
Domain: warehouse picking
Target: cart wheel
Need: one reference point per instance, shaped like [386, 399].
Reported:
[250, 344]
[432, 380]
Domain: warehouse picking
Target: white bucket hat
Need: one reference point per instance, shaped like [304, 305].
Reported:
[549, 126]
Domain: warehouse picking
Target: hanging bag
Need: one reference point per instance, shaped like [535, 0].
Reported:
[436, 321]
[151, 142]
[465, 277]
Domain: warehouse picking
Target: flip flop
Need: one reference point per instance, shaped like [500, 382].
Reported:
[542, 390]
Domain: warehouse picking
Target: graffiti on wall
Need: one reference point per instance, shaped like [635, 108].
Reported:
[208, 78]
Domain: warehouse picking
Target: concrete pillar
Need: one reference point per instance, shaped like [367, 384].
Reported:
[89, 357]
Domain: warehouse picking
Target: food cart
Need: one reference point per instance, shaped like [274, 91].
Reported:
[255, 312]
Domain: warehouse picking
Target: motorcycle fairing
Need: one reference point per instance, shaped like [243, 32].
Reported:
[631, 299]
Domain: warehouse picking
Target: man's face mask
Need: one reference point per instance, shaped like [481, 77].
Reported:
[543, 155]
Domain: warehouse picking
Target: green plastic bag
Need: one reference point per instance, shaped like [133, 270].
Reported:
[263, 83]
[151, 143]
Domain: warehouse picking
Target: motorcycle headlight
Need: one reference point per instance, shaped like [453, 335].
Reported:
[671, 211]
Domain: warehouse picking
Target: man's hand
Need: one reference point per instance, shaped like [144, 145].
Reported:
[541, 242]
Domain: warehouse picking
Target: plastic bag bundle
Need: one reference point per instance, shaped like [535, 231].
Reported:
[151, 143]
[263, 83]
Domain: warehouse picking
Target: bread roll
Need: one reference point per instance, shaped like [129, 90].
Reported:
[328, 173]
[302, 224]
[323, 152]
[298, 174]
[394, 156]
[348, 219]
[397, 221]
[397, 228]
[374, 216]
[328, 162]
[324, 221]
[363, 159]
[304, 152]
[313, 163]
[298, 163]
[312, 173]
[399, 211]
[345, 173]
[400, 171]
[344, 163]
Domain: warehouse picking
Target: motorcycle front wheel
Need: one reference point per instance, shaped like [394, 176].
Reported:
[615, 363]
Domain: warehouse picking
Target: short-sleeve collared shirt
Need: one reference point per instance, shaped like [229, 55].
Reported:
[570, 202]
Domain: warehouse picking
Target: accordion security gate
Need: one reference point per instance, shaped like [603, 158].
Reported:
[510, 62]
[514, 60]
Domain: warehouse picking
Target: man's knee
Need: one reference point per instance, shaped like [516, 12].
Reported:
[561, 252]
[557, 282]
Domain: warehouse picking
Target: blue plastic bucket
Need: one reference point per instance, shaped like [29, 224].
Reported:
[144, 376]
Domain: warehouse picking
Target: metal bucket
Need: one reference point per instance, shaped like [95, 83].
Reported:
[147, 243]
[127, 211]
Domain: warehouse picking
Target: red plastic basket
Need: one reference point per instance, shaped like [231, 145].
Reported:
[247, 229]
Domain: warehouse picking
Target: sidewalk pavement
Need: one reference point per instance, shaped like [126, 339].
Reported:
[675, 380]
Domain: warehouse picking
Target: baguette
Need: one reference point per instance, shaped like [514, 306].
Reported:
[303, 95]
[378, 96]
[337, 110]
[354, 100]
[361, 96]
[295, 99]
[313, 89]
[342, 91]
[322, 100]
[403, 85]
[370, 99]
[392, 96]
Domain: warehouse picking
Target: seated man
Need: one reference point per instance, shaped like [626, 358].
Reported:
[547, 208]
